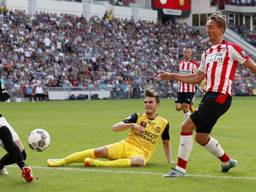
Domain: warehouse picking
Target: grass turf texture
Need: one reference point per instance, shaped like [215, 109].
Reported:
[79, 125]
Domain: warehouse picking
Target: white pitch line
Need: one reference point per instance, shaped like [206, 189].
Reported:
[100, 170]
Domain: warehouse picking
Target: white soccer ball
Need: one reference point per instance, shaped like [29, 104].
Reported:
[39, 140]
[163, 2]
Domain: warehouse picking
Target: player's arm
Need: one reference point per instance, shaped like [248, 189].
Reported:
[192, 78]
[121, 126]
[166, 144]
[250, 64]
[129, 122]
[167, 150]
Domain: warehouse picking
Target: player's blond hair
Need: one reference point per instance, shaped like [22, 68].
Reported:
[220, 20]
[152, 93]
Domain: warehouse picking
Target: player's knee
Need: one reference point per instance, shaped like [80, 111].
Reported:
[188, 125]
[178, 108]
[138, 162]
[199, 140]
[202, 139]
[101, 152]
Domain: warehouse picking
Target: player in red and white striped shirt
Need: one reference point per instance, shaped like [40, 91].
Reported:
[218, 66]
[186, 91]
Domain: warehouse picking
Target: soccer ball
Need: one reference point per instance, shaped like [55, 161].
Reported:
[39, 140]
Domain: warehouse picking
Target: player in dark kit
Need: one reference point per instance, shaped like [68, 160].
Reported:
[10, 141]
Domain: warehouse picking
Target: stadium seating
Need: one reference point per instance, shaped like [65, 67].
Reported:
[117, 55]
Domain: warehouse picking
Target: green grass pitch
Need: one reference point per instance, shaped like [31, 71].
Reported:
[79, 125]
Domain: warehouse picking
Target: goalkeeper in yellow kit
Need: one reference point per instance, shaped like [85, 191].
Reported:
[145, 132]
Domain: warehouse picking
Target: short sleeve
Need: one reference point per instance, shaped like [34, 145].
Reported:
[165, 134]
[238, 54]
[202, 64]
[131, 119]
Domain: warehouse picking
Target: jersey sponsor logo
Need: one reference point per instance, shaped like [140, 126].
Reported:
[148, 136]
[151, 123]
[219, 57]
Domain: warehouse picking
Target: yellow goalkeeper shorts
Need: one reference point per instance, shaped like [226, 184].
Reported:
[124, 150]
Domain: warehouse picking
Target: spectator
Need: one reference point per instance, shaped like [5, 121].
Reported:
[27, 91]
[40, 94]
[69, 52]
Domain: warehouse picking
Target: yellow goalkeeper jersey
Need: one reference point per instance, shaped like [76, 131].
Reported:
[149, 138]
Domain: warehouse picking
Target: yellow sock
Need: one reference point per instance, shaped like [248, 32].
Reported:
[113, 163]
[79, 156]
[192, 108]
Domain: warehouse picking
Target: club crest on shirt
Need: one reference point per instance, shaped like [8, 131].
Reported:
[158, 129]
[181, 2]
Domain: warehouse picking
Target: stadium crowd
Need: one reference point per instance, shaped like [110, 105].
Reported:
[66, 51]
[244, 30]
[241, 2]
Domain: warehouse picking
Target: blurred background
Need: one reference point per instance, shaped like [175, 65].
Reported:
[96, 49]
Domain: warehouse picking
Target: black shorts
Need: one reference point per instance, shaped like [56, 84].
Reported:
[212, 106]
[185, 97]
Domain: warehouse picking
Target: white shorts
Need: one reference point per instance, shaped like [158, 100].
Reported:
[15, 136]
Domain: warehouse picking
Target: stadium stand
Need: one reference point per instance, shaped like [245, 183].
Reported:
[118, 55]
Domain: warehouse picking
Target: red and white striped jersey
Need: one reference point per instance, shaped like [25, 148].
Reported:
[219, 64]
[187, 68]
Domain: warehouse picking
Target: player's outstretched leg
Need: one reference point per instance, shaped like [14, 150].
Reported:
[14, 155]
[216, 149]
[55, 162]
[73, 158]
[89, 162]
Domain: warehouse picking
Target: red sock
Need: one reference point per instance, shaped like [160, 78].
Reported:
[182, 163]
[224, 158]
[185, 147]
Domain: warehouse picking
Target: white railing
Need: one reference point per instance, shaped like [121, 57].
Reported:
[234, 37]
[65, 94]
[86, 9]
